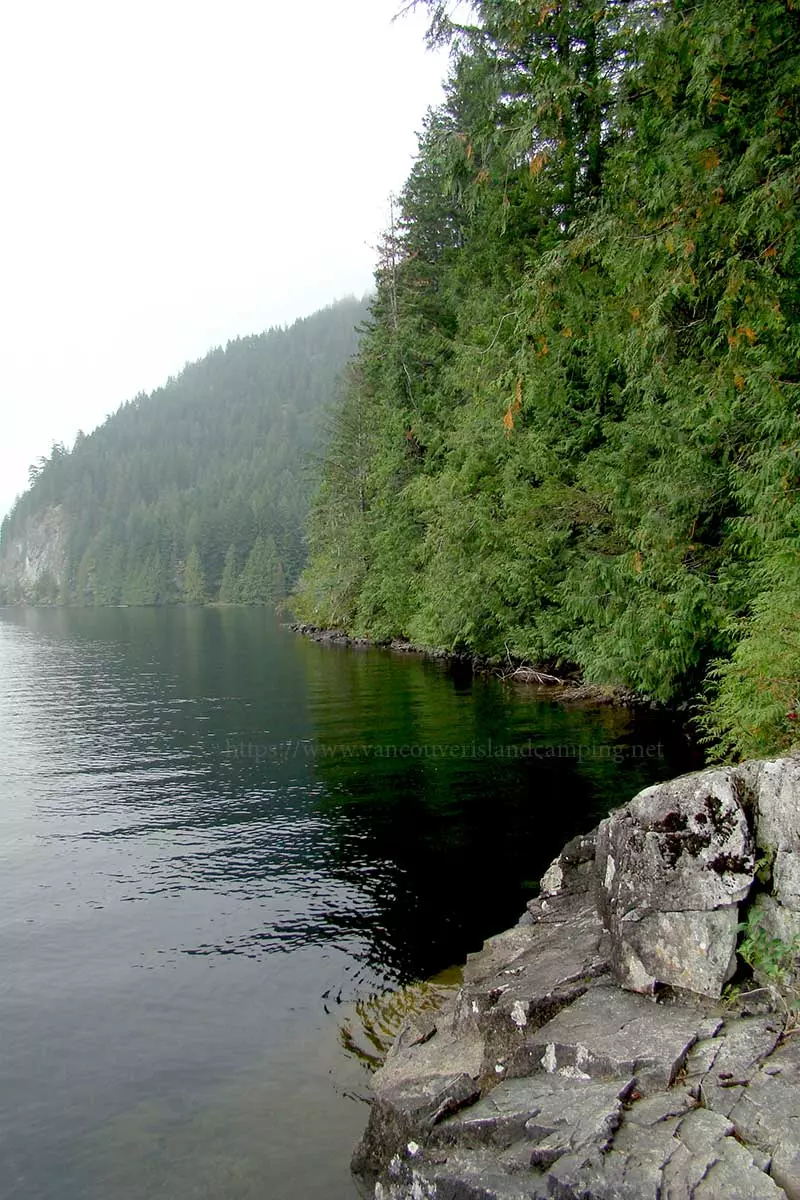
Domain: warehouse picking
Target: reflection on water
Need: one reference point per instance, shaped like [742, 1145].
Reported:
[368, 1032]
[212, 836]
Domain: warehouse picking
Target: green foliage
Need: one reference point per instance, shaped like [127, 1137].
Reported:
[754, 696]
[773, 961]
[769, 956]
[261, 580]
[194, 587]
[229, 584]
[571, 433]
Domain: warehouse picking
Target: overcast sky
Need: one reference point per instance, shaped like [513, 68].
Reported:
[176, 173]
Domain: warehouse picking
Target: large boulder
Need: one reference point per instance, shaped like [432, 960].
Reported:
[672, 867]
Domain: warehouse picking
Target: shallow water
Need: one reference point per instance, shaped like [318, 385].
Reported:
[215, 837]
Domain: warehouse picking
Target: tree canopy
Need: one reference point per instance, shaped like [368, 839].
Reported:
[571, 433]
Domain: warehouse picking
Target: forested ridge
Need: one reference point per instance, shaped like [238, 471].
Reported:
[571, 433]
[200, 490]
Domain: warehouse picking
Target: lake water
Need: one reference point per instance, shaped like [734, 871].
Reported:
[216, 838]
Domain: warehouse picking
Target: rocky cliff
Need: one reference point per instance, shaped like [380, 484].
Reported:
[588, 1054]
[33, 562]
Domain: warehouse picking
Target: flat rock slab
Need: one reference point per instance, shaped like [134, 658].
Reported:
[497, 953]
[558, 908]
[551, 1115]
[767, 1114]
[718, 1069]
[430, 1047]
[693, 1156]
[612, 1034]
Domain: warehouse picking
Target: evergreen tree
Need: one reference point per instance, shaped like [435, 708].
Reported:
[194, 588]
[257, 582]
[229, 586]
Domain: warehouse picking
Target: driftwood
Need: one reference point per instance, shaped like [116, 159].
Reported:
[531, 675]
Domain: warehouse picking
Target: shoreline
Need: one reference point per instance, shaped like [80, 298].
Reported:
[565, 689]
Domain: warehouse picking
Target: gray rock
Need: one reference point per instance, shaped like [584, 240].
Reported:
[781, 923]
[767, 1114]
[719, 1068]
[497, 954]
[554, 1115]
[545, 1080]
[417, 1052]
[419, 1084]
[611, 1034]
[693, 951]
[709, 1164]
[653, 1110]
[516, 984]
[405, 1112]
[40, 548]
[560, 908]
[573, 869]
[786, 878]
[672, 867]
[684, 1157]
[462, 1175]
[677, 847]
[777, 822]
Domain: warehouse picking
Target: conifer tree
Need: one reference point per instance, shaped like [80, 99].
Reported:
[194, 588]
[229, 585]
[256, 583]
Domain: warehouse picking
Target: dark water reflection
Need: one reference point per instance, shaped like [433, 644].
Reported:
[210, 833]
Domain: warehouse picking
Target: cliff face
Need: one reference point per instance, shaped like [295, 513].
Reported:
[33, 563]
[587, 1055]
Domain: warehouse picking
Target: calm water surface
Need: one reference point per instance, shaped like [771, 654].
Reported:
[214, 838]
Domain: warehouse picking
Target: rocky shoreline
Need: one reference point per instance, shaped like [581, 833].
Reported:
[589, 1054]
[566, 688]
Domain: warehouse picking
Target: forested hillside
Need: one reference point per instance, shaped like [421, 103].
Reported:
[571, 435]
[196, 492]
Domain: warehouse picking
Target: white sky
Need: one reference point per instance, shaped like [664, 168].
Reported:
[179, 172]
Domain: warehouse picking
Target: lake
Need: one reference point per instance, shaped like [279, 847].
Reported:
[217, 839]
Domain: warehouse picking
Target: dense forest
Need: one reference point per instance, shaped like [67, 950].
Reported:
[571, 433]
[200, 490]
